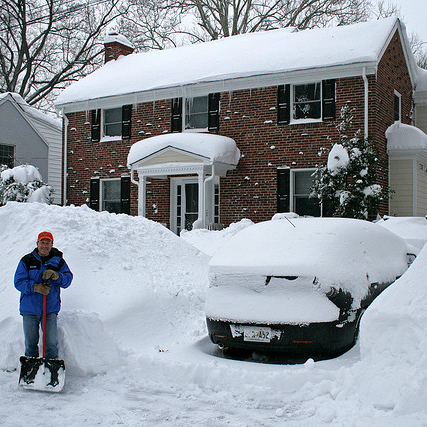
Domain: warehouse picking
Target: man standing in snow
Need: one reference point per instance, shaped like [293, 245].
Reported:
[41, 272]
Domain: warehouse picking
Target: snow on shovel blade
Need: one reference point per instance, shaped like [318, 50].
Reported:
[42, 374]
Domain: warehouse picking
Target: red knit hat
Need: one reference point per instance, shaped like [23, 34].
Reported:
[45, 235]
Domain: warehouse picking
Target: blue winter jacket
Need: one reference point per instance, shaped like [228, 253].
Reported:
[29, 272]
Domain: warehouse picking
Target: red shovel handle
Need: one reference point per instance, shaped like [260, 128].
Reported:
[44, 326]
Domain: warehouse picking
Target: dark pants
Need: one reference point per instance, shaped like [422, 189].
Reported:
[31, 333]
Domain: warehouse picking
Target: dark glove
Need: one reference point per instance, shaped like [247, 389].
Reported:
[41, 288]
[50, 274]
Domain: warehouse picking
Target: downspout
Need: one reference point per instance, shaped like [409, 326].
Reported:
[365, 82]
[209, 178]
[65, 154]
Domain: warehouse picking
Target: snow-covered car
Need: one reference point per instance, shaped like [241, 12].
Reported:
[300, 285]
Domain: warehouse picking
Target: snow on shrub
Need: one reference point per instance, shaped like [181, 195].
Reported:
[23, 184]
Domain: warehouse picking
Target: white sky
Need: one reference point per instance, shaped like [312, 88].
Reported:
[414, 15]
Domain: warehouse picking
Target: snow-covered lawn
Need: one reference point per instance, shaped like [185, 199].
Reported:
[133, 336]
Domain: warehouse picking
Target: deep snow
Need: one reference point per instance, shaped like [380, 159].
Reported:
[134, 338]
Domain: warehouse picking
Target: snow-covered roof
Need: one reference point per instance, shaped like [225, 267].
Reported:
[32, 112]
[253, 55]
[405, 137]
[214, 148]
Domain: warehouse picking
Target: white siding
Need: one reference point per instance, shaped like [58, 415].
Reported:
[401, 181]
[421, 117]
[53, 137]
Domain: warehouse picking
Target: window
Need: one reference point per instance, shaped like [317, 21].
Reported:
[293, 191]
[114, 122]
[7, 155]
[111, 195]
[306, 102]
[397, 106]
[197, 113]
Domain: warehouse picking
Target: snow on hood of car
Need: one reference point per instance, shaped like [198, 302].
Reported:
[346, 253]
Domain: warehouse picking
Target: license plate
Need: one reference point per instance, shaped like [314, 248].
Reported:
[256, 334]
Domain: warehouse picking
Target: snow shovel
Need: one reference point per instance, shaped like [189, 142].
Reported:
[39, 373]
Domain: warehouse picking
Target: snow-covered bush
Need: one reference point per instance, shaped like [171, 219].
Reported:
[346, 182]
[23, 184]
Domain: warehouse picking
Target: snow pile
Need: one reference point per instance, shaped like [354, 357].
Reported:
[405, 137]
[211, 242]
[126, 270]
[134, 316]
[412, 229]
[214, 148]
[393, 339]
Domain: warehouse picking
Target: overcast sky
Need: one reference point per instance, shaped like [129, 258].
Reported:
[414, 14]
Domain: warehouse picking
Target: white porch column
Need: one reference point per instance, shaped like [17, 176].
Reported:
[141, 194]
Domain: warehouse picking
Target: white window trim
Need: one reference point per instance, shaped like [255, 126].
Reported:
[396, 93]
[184, 111]
[293, 121]
[108, 138]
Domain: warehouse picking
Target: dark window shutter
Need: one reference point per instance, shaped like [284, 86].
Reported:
[213, 118]
[125, 195]
[328, 99]
[126, 121]
[283, 190]
[283, 104]
[94, 194]
[176, 121]
[96, 126]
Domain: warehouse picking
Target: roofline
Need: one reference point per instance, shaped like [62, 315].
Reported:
[24, 116]
[230, 84]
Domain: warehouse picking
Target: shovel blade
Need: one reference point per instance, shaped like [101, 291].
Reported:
[42, 374]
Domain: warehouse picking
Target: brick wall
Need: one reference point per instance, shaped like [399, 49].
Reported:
[250, 118]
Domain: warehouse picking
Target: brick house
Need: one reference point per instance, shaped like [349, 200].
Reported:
[274, 96]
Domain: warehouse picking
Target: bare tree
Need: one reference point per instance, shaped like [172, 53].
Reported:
[46, 44]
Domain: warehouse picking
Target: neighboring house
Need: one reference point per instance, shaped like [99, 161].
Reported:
[407, 151]
[28, 136]
[276, 96]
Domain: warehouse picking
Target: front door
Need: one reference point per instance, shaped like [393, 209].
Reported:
[185, 193]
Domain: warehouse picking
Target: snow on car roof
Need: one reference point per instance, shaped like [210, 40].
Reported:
[345, 252]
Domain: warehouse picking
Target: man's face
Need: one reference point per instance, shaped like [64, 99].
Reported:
[44, 246]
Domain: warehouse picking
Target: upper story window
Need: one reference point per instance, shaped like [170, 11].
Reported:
[7, 155]
[397, 106]
[307, 102]
[111, 123]
[198, 113]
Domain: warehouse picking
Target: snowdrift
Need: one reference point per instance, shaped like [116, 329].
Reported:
[132, 277]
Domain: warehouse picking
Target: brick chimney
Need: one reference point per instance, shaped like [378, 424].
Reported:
[116, 45]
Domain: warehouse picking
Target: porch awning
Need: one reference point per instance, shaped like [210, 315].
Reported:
[199, 148]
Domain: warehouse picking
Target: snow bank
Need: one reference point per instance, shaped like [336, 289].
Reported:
[126, 271]
[393, 339]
